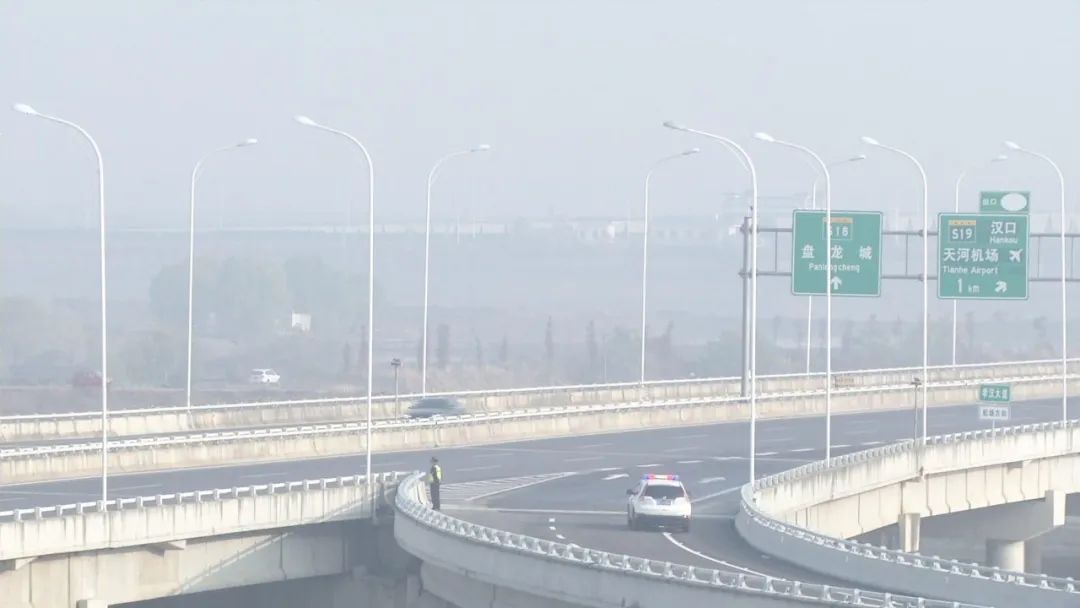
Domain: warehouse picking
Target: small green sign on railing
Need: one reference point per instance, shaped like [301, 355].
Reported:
[995, 393]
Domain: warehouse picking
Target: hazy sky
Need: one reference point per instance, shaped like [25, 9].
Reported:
[571, 94]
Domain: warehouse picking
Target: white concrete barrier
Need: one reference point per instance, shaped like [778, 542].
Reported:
[264, 445]
[169, 518]
[573, 575]
[805, 515]
[166, 420]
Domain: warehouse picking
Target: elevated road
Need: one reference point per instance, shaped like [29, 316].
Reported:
[572, 489]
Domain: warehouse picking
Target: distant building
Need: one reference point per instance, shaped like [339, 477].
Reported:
[301, 322]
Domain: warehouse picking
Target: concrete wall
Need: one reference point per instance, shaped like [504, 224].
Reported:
[283, 444]
[177, 420]
[798, 515]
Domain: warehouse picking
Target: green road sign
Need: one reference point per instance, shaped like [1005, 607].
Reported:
[1004, 202]
[995, 393]
[856, 253]
[982, 256]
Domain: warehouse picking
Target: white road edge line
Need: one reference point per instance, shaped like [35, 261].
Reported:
[680, 545]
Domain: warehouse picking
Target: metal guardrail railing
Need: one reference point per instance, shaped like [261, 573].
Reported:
[197, 496]
[383, 399]
[411, 502]
[903, 558]
[405, 423]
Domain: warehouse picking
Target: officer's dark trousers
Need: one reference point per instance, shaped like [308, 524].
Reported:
[436, 500]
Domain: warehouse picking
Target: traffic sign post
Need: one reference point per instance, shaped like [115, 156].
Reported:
[983, 256]
[856, 253]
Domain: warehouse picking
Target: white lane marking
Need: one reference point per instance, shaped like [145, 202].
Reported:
[607, 469]
[552, 528]
[648, 466]
[616, 476]
[551, 520]
[694, 436]
[264, 475]
[689, 462]
[585, 459]
[560, 537]
[145, 486]
[767, 453]
[678, 544]
[487, 468]
[715, 494]
[873, 442]
[594, 445]
[688, 448]
[723, 458]
[536, 511]
[712, 480]
[803, 450]
[841, 445]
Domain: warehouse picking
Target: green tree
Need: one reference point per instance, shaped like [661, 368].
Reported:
[249, 298]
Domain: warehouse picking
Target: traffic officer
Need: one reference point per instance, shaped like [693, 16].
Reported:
[434, 482]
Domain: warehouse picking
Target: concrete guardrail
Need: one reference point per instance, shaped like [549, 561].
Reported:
[166, 420]
[588, 577]
[780, 514]
[52, 462]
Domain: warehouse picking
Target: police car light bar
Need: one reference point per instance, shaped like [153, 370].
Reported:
[648, 476]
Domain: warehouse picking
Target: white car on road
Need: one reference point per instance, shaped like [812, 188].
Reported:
[659, 500]
[264, 376]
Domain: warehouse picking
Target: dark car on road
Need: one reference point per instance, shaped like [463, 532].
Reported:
[429, 407]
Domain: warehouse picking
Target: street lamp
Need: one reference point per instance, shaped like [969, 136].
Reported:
[810, 299]
[870, 141]
[25, 109]
[307, 122]
[427, 255]
[765, 137]
[191, 255]
[645, 249]
[1064, 292]
[746, 162]
[396, 364]
[956, 208]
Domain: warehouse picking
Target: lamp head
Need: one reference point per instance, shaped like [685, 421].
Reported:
[999, 158]
[870, 141]
[251, 141]
[1012, 145]
[481, 148]
[856, 158]
[691, 151]
[674, 125]
[765, 137]
[304, 120]
[25, 109]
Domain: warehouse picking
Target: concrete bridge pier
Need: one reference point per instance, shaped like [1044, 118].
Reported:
[1014, 531]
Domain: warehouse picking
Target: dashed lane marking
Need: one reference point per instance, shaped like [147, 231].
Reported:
[648, 466]
[803, 450]
[616, 476]
[708, 480]
[767, 453]
[689, 462]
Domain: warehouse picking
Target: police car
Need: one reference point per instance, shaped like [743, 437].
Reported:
[658, 500]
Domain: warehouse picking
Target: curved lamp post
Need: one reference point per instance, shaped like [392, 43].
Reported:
[427, 255]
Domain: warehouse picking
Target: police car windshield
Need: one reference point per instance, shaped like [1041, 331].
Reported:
[662, 492]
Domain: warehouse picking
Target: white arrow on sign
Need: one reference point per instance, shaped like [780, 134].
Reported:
[1014, 255]
[836, 282]
[1001, 287]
